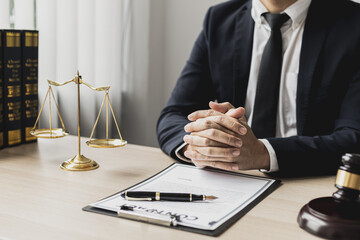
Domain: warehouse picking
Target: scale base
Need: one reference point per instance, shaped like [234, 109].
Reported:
[79, 163]
[328, 219]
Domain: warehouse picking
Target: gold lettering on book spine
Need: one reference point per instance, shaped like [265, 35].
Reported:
[31, 39]
[14, 111]
[32, 66]
[14, 91]
[31, 107]
[1, 139]
[12, 39]
[14, 137]
[31, 89]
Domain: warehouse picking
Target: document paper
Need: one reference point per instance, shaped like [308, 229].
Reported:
[234, 192]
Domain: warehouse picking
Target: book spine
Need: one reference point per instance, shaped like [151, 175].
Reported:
[1, 94]
[12, 87]
[29, 86]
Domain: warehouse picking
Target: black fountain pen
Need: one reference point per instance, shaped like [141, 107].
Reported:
[157, 196]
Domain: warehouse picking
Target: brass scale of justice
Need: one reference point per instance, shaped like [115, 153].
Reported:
[79, 162]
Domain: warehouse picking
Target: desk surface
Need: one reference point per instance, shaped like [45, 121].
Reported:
[41, 201]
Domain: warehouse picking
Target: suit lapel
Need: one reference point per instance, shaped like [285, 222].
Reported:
[313, 37]
[244, 30]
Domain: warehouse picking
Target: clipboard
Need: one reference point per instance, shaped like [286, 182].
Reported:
[271, 185]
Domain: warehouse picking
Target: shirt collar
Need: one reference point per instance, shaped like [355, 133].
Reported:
[297, 11]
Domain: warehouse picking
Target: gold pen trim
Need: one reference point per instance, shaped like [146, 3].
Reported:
[157, 196]
[190, 197]
[136, 199]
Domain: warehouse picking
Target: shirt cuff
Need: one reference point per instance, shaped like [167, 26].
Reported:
[274, 166]
[179, 154]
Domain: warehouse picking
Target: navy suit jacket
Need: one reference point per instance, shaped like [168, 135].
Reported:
[328, 91]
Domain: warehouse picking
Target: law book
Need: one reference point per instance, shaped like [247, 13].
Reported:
[29, 85]
[1, 96]
[11, 48]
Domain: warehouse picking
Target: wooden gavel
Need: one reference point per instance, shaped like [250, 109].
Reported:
[348, 180]
[336, 217]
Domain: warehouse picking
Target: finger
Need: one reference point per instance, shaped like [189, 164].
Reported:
[220, 165]
[221, 119]
[219, 136]
[236, 112]
[202, 142]
[195, 155]
[228, 109]
[203, 124]
[221, 107]
[226, 152]
[202, 114]
[229, 123]
[214, 152]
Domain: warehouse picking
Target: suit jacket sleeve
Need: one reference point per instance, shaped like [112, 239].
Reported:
[193, 91]
[322, 154]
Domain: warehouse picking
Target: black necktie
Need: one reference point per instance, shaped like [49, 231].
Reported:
[267, 90]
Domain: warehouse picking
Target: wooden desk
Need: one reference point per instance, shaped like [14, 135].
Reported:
[40, 201]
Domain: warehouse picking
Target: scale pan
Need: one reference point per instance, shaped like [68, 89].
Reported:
[106, 143]
[49, 133]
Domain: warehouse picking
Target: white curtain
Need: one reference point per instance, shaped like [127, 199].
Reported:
[84, 35]
[4, 14]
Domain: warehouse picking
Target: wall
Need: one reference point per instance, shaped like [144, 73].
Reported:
[163, 33]
[183, 24]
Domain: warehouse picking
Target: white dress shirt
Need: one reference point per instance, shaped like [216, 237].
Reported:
[292, 32]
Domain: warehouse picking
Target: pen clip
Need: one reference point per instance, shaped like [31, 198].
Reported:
[138, 199]
[128, 212]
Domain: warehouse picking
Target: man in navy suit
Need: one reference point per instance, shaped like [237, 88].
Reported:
[317, 94]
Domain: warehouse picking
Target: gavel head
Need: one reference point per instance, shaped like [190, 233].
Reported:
[348, 180]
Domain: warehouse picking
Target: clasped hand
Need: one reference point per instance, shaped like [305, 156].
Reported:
[221, 138]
